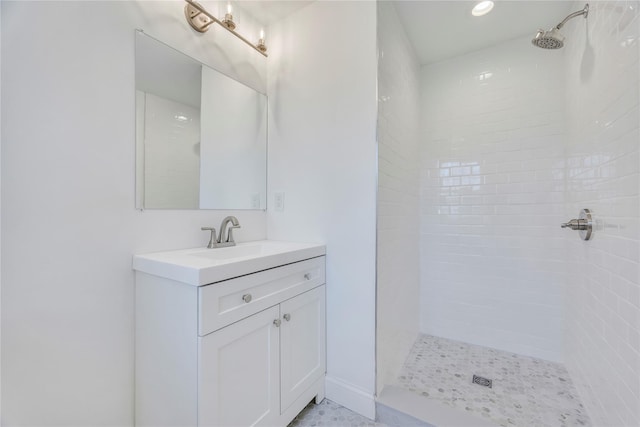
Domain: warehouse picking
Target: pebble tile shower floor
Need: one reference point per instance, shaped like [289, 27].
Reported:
[526, 392]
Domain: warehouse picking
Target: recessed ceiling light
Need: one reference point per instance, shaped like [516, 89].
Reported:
[482, 8]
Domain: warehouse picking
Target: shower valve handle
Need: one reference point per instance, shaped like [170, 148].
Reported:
[583, 224]
[575, 224]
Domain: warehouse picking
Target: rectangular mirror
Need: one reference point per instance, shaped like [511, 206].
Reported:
[201, 136]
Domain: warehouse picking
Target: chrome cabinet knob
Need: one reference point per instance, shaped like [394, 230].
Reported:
[307, 276]
[287, 317]
[277, 322]
[247, 298]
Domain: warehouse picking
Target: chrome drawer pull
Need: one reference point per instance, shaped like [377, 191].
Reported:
[277, 322]
[246, 298]
[287, 317]
[307, 276]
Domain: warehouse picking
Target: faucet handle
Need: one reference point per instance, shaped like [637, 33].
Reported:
[230, 235]
[212, 240]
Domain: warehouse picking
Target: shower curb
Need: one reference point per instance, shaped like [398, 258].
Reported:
[400, 407]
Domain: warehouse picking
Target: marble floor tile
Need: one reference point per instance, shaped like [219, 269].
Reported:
[525, 392]
[330, 414]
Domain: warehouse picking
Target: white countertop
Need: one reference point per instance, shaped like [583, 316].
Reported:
[202, 266]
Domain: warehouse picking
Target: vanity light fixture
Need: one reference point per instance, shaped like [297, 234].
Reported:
[200, 20]
[482, 8]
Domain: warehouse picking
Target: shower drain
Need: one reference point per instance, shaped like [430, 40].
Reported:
[485, 382]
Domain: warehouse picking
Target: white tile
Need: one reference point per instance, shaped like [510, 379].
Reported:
[602, 337]
[399, 182]
[525, 391]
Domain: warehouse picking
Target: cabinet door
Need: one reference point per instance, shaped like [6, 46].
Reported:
[240, 373]
[302, 343]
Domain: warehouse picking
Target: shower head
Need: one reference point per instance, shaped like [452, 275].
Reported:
[553, 39]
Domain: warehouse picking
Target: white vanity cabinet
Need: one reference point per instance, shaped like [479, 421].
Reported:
[239, 379]
[246, 351]
[252, 371]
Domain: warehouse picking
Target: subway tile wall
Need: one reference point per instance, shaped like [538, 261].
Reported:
[492, 198]
[171, 153]
[603, 292]
[398, 203]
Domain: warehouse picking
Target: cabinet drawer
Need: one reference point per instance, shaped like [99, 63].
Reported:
[222, 303]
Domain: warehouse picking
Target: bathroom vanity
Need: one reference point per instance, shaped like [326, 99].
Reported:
[229, 336]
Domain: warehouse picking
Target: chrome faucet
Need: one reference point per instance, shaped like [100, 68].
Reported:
[224, 229]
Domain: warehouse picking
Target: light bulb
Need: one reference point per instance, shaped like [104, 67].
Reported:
[228, 18]
[261, 46]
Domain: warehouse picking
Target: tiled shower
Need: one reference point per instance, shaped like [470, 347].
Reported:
[481, 158]
[492, 198]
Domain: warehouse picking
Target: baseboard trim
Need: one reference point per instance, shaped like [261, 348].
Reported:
[351, 397]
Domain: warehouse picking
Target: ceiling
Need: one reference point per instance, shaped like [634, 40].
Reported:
[270, 11]
[443, 29]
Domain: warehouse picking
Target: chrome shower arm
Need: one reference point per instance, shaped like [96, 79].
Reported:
[584, 12]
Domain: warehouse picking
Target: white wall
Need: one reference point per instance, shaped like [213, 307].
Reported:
[398, 281]
[492, 191]
[322, 155]
[69, 227]
[603, 298]
[0, 217]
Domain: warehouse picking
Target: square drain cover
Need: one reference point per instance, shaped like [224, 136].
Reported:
[485, 382]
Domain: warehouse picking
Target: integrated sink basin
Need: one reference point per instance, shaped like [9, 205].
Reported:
[241, 250]
[203, 266]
